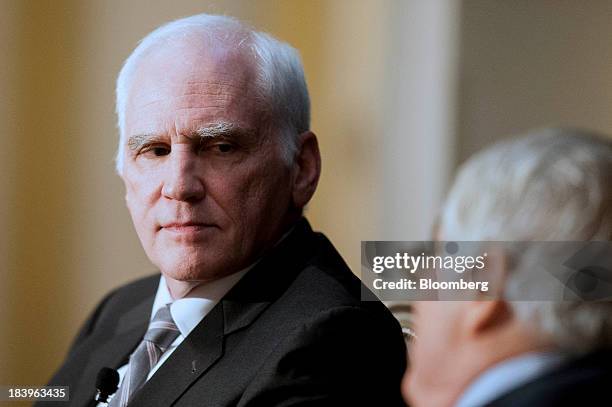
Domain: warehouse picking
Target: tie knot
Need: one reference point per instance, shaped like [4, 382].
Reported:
[162, 329]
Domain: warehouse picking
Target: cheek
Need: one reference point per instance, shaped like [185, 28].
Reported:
[255, 192]
[140, 198]
[407, 386]
[423, 366]
[142, 184]
[434, 335]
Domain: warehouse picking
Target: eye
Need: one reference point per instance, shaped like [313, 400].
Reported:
[224, 147]
[155, 150]
[160, 151]
[221, 147]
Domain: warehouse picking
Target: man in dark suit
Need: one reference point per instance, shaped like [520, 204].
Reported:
[536, 339]
[252, 308]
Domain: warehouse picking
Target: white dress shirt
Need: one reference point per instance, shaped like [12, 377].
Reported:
[508, 375]
[186, 312]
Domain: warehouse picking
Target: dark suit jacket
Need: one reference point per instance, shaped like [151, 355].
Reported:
[585, 381]
[293, 331]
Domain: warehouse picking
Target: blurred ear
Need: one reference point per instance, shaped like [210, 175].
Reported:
[487, 316]
[307, 169]
[491, 309]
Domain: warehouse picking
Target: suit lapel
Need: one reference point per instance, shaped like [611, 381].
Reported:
[115, 351]
[195, 355]
[268, 279]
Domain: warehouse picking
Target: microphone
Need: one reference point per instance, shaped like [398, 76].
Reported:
[106, 383]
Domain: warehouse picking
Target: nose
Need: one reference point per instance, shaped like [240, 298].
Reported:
[181, 179]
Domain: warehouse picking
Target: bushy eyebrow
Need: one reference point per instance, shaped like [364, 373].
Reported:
[136, 141]
[217, 130]
[225, 130]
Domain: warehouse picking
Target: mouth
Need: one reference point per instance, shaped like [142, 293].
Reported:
[186, 227]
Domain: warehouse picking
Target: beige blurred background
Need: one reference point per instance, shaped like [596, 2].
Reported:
[402, 91]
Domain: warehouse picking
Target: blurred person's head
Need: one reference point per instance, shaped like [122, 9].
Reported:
[215, 149]
[550, 185]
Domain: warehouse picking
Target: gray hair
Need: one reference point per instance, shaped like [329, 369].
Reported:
[280, 84]
[550, 185]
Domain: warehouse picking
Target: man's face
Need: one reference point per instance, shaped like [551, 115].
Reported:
[208, 191]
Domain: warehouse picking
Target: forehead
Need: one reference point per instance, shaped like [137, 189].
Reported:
[179, 61]
[190, 82]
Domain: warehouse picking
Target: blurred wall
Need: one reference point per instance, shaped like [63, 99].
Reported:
[39, 137]
[402, 90]
[527, 64]
[8, 48]
[419, 129]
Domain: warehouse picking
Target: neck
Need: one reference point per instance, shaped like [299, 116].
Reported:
[179, 289]
[479, 359]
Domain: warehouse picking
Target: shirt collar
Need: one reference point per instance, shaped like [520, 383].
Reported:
[189, 311]
[507, 375]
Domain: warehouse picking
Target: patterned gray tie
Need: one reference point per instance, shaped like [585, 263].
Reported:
[161, 333]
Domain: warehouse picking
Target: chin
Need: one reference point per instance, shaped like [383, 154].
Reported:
[193, 270]
[188, 273]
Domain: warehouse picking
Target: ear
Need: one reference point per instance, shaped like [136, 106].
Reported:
[491, 310]
[486, 316]
[306, 169]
